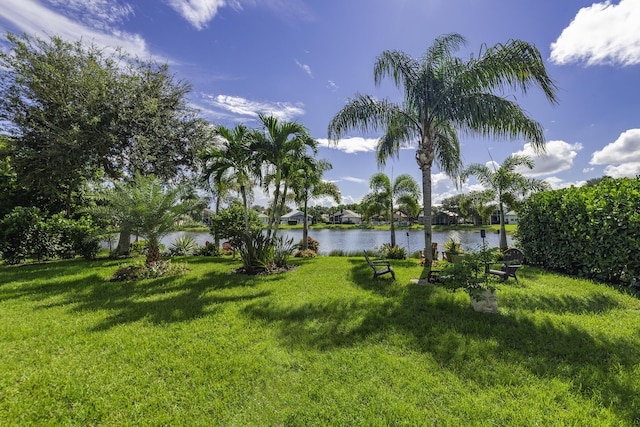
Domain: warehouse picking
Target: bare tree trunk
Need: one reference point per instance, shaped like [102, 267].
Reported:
[503, 230]
[124, 241]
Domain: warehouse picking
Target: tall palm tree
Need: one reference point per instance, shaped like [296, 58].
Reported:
[307, 185]
[279, 147]
[232, 156]
[443, 93]
[507, 184]
[384, 194]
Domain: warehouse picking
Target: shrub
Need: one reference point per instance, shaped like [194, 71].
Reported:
[139, 247]
[25, 233]
[590, 232]
[18, 231]
[305, 254]
[209, 249]
[183, 246]
[392, 252]
[282, 250]
[312, 244]
[148, 271]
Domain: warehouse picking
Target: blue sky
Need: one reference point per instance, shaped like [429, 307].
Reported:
[301, 60]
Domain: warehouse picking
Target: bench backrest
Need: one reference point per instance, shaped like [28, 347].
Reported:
[513, 254]
[368, 260]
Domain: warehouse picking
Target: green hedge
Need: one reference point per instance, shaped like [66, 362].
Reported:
[592, 232]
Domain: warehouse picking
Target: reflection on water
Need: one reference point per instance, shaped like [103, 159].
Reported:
[357, 240]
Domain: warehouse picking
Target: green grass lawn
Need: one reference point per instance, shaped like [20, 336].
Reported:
[324, 344]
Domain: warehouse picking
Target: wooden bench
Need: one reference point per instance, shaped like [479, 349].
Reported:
[380, 266]
[511, 262]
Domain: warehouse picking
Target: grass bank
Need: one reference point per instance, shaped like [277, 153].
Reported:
[324, 344]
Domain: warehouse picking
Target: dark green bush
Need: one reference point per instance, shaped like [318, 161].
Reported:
[25, 233]
[590, 231]
[19, 232]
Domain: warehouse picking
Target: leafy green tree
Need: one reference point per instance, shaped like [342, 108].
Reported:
[280, 146]
[507, 184]
[226, 225]
[443, 93]
[478, 204]
[385, 195]
[308, 185]
[146, 207]
[76, 113]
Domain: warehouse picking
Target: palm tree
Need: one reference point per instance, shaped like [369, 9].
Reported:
[443, 93]
[479, 204]
[145, 206]
[385, 195]
[232, 160]
[279, 147]
[307, 185]
[507, 184]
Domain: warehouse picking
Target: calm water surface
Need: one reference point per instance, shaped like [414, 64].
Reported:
[357, 240]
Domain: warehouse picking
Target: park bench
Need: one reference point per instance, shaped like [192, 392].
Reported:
[380, 266]
[512, 260]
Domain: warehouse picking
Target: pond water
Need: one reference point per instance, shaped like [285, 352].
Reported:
[357, 239]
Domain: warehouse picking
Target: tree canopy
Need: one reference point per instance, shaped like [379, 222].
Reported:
[76, 113]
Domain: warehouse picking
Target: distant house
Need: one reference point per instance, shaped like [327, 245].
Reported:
[441, 217]
[264, 218]
[345, 216]
[511, 217]
[294, 218]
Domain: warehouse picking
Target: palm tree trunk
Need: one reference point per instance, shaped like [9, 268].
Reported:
[280, 208]
[153, 251]
[393, 229]
[243, 192]
[305, 228]
[274, 207]
[426, 202]
[216, 236]
[503, 230]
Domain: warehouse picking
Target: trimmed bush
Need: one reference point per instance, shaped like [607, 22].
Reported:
[590, 231]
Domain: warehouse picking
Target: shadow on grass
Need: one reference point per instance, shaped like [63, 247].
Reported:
[599, 366]
[168, 299]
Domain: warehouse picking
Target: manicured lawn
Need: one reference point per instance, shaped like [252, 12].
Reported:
[321, 345]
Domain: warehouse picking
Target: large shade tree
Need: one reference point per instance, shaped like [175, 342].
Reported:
[507, 184]
[443, 94]
[77, 113]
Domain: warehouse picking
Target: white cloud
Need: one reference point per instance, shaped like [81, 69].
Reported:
[624, 149]
[629, 170]
[95, 13]
[558, 183]
[354, 179]
[31, 17]
[332, 85]
[351, 145]
[250, 109]
[622, 156]
[197, 12]
[559, 157]
[603, 33]
[305, 68]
